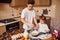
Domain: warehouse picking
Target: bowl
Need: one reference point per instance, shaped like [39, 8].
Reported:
[35, 33]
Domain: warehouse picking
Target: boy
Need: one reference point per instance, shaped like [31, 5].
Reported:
[28, 16]
[43, 27]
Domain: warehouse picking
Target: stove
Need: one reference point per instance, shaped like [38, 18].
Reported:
[7, 20]
[10, 26]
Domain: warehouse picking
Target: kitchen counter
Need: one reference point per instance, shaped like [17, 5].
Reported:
[2, 24]
[18, 18]
[11, 22]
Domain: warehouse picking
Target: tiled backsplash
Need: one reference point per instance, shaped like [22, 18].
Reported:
[51, 10]
[7, 12]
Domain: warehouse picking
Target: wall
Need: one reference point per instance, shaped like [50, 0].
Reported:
[6, 11]
[57, 16]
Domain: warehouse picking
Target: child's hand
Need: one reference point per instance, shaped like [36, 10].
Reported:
[47, 30]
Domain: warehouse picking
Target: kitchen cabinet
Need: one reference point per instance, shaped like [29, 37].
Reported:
[21, 26]
[42, 2]
[16, 3]
[2, 29]
[45, 2]
[22, 3]
[37, 3]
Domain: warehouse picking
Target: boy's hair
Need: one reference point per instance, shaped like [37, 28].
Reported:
[42, 17]
[31, 2]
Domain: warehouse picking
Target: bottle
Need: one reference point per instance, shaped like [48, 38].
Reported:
[25, 35]
[56, 33]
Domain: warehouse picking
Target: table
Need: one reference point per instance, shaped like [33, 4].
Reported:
[42, 37]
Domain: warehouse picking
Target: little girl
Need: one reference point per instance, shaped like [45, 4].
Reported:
[43, 27]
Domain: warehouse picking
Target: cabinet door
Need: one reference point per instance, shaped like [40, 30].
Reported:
[2, 29]
[45, 2]
[20, 2]
[42, 2]
[37, 3]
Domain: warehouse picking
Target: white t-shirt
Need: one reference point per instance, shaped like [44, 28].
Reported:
[43, 27]
[28, 15]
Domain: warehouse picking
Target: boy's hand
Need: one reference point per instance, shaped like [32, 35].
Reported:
[31, 26]
[37, 26]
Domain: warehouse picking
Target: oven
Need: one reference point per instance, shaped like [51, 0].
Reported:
[12, 26]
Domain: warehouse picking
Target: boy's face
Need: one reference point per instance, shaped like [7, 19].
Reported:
[30, 6]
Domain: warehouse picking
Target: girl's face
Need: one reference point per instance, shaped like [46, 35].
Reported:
[42, 21]
[30, 6]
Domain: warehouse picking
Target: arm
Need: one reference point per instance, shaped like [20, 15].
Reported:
[23, 21]
[35, 21]
[23, 14]
[47, 29]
